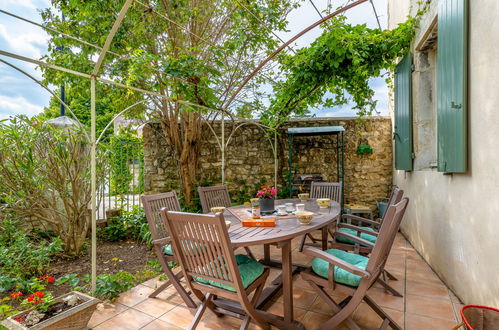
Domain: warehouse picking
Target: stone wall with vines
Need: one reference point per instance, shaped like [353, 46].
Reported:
[250, 159]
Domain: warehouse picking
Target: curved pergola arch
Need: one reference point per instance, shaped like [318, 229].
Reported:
[94, 78]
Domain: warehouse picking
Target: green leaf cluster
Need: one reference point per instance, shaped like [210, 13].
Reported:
[336, 68]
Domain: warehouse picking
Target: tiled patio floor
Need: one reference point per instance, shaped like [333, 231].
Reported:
[427, 302]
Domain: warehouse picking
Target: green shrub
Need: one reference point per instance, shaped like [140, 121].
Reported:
[21, 256]
[45, 178]
[131, 225]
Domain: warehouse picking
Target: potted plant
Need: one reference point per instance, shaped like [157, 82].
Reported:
[70, 311]
[266, 197]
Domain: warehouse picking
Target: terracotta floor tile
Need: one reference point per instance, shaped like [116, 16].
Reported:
[128, 320]
[422, 276]
[320, 306]
[429, 307]
[457, 311]
[312, 320]
[276, 308]
[171, 296]
[160, 325]
[428, 289]
[396, 263]
[154, 307]
[385, 299]
[104, 312]
[180, 316]
[135, 295]
[397, 285]
[153, 283]
[211, 321]
[418, 322]
[366, 318]
[301, 298]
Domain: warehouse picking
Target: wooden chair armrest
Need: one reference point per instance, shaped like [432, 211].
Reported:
[313, 252]
[359, 229]
[361, 219]
[161, 241]
[354, 238]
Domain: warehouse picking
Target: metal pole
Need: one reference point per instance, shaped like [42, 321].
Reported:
[223, 148]
[275, 159]
[93, 183]
[290, 164]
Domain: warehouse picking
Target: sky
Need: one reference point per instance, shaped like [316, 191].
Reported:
[20, 95]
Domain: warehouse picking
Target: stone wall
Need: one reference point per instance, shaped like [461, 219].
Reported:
[250, 158]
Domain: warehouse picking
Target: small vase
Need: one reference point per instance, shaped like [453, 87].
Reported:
[267, 205]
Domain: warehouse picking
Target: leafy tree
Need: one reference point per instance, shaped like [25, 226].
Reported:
[193, 52]
[45, 179]
[336, 68]
[108, 104]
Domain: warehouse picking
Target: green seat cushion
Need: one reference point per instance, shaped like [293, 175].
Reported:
[321, 267]
[249, 270]
[168, 250]
[367, 237]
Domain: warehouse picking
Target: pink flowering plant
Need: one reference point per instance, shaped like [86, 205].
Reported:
[267, 192]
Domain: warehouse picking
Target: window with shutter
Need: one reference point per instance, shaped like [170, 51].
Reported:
[403, 114]
[452, 86]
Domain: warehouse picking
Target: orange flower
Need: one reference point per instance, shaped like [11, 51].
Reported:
[15, 295]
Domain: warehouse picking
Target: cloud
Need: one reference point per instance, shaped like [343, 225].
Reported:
[29, 44]
[10, 106]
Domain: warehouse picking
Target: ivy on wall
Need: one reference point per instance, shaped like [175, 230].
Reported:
[126, 152]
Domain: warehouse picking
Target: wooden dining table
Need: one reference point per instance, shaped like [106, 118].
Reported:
[286, 229]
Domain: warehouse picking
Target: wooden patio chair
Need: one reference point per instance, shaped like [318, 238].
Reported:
[162, 243]
[210, 267]
[352, 274]
[331, 190]
[217, 196]
[214, 196]
[367, 233]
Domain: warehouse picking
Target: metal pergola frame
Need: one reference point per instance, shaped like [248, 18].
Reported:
[95, 77]
[339, 145]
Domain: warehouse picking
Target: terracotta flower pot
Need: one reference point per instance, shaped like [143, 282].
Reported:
[74, 318]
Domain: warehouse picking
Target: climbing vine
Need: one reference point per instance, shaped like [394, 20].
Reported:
[336, 68]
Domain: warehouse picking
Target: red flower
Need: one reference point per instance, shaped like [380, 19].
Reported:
[43, 277]
[39, 294]
[50, 279]
[30, 298]
[15, 295]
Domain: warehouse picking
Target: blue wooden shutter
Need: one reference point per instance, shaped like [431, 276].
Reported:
[452, 59]
[403, 114]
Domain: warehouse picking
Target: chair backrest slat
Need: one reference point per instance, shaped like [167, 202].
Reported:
[386, 237]
[395, 198]
[214, 196]
[152, 205]
[331, 190]
[203, 246]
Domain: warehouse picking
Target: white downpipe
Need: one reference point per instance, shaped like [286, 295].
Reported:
[93, 184]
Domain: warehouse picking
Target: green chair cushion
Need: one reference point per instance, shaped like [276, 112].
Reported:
[249, 270]
[168, 250]
[321, 267]
[367, 237]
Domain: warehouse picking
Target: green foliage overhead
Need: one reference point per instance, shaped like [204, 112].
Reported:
[336, 68]
[126, 149]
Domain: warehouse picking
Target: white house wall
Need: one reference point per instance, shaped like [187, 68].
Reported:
[453, 220]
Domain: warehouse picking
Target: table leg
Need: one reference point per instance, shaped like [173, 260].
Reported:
[287, 281]
[266, 254]
[324, 237]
